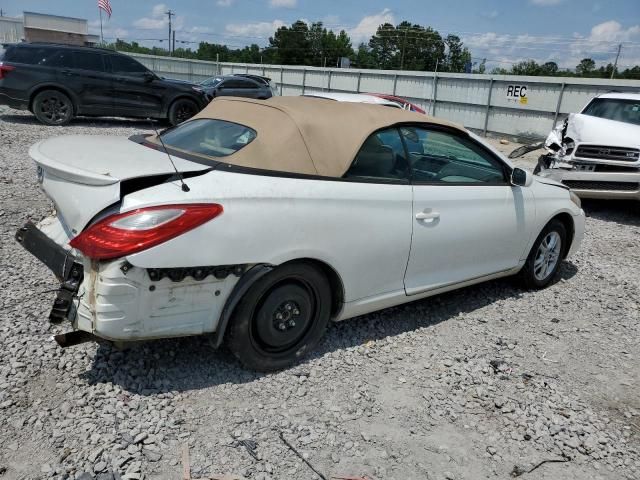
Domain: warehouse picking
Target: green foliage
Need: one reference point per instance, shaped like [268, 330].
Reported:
[404, 46]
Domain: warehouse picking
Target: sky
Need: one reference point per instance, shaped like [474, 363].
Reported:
[502, 31]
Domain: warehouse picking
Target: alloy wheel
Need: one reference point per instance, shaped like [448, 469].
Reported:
[547, 255]
[55, 109]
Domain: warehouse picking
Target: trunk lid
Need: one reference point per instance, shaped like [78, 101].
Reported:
[82, 174]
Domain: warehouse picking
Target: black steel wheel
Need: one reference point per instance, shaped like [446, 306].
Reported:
[281, 318]
[181, 110]
[52, 107]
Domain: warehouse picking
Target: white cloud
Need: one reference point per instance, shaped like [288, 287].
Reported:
[158, 19]
[545, 3]
[224, 3]
[283, 3]
[613, 31]
[492, 14]
[369, 24]
[110, 32]
[600, 45]
[254, 30]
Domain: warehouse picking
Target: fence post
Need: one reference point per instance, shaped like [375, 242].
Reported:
[190, 71]
[246, 65]
[434, 94]
[304, 78]
[281, 82]
[555, 117]
[486, 113]
[358, 86]
[329, 82]
[395, 82]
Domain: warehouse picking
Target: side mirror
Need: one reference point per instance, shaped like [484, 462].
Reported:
[149, 76]
[521, 177]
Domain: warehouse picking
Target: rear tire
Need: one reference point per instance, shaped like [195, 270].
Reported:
[52, 107]
[545, 257]
[181, 110]
[281, 318]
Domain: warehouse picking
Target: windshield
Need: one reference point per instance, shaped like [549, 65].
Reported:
[211, 82]
[619, 109]
[207, 137]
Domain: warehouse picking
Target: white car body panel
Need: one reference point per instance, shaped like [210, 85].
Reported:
[479, 230]
[355, 98]
[88, 161]
[363, 231]
[330, 221]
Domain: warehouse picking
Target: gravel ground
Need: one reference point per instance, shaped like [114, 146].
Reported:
[486, 382]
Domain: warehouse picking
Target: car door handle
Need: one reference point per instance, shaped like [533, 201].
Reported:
[67, 72]
[427, 215]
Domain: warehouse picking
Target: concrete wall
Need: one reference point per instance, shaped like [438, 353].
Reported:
[487, 103]
[11, 30]
[38, 35]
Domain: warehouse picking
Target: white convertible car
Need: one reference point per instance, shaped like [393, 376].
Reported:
[259, 222]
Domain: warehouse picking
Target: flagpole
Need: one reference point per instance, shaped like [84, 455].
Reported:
[101, 35]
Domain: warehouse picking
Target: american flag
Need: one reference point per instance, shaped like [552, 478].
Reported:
[106, 6]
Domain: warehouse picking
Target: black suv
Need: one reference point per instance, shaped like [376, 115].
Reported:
[58, 82]
[239, 85]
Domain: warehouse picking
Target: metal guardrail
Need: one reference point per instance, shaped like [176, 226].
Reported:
[518, 106]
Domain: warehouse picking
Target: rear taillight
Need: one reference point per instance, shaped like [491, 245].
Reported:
[131, 232]
[4, 69]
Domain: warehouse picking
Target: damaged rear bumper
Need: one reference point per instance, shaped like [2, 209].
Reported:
[116, 301]
[60, 261]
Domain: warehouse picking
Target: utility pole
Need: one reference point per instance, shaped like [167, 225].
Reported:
[170, 14]
[174, 42]
[404, 45]
[615, 64]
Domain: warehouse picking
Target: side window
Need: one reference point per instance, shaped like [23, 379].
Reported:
[61, 59]
[89, 61]
[237, 83]
[126, 65]
[381, 157]
[441, 157]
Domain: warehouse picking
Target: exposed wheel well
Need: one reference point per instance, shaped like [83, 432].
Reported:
[51, 87]
[335, 282]
[567, 221]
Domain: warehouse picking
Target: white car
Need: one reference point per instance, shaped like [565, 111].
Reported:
[355, 98]
[597, 152]
[281, 216]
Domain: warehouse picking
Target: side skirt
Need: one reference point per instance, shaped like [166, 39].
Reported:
[392, 299]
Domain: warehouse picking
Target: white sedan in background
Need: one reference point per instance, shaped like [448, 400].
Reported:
[270, 219]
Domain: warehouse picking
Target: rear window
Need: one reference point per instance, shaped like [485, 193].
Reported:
[208, 137]
[28, 55]
[618, 109]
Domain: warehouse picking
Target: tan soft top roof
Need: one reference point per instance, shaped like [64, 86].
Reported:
[307, 135]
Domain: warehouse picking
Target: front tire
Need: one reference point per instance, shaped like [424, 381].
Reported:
[545, 257]
[52, 107]
[181, 110]
[281, 318]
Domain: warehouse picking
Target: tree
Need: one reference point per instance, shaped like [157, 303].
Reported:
[384, 46]
[526, 67]
[549, 69]
[292, 44]
[364, 58]
[458, 55]
[585, 67]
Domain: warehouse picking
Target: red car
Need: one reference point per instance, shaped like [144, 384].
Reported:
[405, 103]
